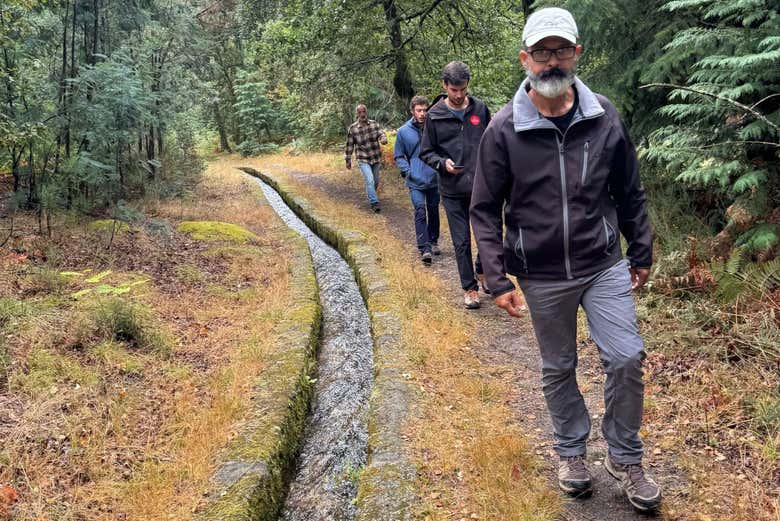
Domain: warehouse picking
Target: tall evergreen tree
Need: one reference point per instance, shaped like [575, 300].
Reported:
[725, 136]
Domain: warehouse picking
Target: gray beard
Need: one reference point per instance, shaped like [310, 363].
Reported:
[550, 87]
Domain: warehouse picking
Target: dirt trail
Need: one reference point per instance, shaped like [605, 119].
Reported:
[503, 341]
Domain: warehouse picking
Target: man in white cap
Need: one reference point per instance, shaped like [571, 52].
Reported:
[557, 168]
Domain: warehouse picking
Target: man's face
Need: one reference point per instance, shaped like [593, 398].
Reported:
[362, 113]
[553, 77]
[456, 94]
[419, 112]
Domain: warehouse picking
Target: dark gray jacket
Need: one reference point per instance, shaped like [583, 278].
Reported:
[564, 196]
[445, 136]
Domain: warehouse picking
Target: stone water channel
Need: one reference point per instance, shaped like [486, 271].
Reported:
[335, 438]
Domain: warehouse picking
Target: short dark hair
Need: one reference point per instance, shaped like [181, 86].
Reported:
[418, 100]
[456, 73]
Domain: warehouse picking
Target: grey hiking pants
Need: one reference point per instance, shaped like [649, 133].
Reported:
[609, 307]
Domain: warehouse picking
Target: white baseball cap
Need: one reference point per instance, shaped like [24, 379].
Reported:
[550, 21]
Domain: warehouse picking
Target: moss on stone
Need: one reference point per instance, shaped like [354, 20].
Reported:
[217, 231]
[107, 225]
[272, 433]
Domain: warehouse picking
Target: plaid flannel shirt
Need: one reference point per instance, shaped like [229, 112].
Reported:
[364, 140]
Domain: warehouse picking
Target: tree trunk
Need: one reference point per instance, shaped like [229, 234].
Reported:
[224, 144]
[526, 8]
[402, 79]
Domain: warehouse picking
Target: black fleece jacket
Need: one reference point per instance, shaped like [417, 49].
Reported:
[445, 136]
[563, 196]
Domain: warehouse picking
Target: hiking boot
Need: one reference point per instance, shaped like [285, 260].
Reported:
[435, 249]
[471, 298]
[427, 258]
[642, 492]
[375, 207]
[481, 280]
[574, 476]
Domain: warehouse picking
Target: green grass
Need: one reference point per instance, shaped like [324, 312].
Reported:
[121, 320]
[12, 309]
[46, 369]
[114, 354]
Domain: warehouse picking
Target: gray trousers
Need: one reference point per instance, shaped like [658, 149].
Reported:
[609, 307]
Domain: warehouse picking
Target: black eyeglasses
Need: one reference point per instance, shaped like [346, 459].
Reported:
[544, 55]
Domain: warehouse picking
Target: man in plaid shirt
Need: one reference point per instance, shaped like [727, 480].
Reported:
[364, 137]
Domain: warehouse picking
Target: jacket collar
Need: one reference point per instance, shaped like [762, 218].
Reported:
[439, 110]
[527, 117]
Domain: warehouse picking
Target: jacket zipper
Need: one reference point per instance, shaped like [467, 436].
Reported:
[565, 201]
[519, 245]
[585, 163]
[606, 236]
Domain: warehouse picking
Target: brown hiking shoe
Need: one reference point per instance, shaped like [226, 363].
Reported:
[471, 299]
[574, 476]
[642, 492]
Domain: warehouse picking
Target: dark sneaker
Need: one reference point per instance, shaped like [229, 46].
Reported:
[471, 299]
[574, 477]
[435, 249]
[481, 279]
[642, 492]
[375, 207]
[427, 258]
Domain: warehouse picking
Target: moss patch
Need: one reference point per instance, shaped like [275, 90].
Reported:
[217, 231]
[107, 225]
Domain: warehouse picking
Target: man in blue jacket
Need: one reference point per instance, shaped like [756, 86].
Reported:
[421, 180]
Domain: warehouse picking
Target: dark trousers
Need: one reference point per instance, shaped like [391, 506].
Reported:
[426, 217]
[457, 209]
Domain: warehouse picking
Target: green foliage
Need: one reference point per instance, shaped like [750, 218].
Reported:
[739, 278]
[84, 121]
[263, 120]
[725, 136]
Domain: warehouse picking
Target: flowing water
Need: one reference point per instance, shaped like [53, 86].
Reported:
[335, 440]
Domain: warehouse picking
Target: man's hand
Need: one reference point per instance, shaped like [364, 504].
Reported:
[639, 277]
[512, 303]
[449, 165]
[349, 165]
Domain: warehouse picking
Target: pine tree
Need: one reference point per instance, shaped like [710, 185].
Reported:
[726, 132]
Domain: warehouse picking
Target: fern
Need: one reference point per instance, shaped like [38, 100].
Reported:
[726, 131]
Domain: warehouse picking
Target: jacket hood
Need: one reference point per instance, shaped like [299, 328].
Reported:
[526, 116]
[439, 108]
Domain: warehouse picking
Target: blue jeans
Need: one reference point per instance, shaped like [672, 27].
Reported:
[426, 217]
[609, 307]
[371, 176]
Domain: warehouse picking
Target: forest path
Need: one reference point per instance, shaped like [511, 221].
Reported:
[503, 341]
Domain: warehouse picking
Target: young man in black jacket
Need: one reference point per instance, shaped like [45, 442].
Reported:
[558, 165]
[453, 128]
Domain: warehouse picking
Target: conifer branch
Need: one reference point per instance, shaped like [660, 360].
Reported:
[742, 106]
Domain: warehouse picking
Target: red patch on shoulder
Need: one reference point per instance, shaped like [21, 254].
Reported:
[475, 119]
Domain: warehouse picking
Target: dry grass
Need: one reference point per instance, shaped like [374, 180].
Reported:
[472, 460]
[719, 419]
[107, 428]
